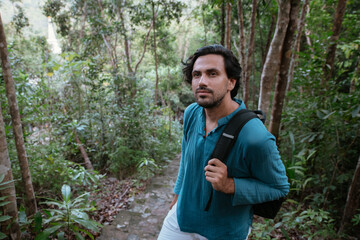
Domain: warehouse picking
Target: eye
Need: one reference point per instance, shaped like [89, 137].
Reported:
[195, 74]
[213, 73]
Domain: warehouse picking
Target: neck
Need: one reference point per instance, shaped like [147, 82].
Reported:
[226, 107]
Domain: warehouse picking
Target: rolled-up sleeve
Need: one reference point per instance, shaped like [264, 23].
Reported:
[268, 179]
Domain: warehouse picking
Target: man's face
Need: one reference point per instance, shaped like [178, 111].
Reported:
[210, 83]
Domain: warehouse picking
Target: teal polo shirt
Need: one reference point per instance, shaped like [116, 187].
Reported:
[254, 163]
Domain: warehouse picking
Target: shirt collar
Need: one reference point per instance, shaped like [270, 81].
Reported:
[224, 120]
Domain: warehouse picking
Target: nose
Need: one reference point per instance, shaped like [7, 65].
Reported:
[203, 80]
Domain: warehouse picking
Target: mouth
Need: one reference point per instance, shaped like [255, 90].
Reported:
[202, 91]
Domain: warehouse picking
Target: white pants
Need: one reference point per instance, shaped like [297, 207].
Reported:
[171, 230]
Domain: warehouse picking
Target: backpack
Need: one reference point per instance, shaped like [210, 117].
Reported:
[222, 149]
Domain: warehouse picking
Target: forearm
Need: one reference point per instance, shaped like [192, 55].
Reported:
[229, 188]
[176, 196]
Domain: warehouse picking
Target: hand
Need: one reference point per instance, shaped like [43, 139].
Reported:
[174, 201]
[216, 174]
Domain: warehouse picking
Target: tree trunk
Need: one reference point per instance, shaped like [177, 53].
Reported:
[205, 27]
[308, 41]
[155, 55]
[352, 201]
[9, 209]
[87, 161]
[330, 53]
[222, 41]
[254, 88]
[126, 42]
[251, 45]
[111, 50]
[83, 20]
[282, 79]
[16, 123]
[268, 41]
[242, 39]
[228, 26]
[296, 49]
[273, 57]
[144, 48]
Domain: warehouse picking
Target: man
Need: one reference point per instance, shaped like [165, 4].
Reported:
[254, 172]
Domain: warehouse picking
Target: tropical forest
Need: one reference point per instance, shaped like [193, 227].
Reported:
[92, 101]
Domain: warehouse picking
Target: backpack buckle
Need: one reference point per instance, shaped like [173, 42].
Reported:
[228, 135]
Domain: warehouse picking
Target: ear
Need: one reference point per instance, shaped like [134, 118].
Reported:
[231, 84]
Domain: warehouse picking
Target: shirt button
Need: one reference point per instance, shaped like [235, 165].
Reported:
[204, 136]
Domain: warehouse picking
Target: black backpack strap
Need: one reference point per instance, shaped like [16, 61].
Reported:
[228, 138]
[230, 134]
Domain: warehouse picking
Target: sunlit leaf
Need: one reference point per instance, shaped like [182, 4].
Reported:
[66, 192]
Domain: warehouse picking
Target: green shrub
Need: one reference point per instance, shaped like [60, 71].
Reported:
[69, 218]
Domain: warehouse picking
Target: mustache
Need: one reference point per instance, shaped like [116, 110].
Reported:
[204, 89]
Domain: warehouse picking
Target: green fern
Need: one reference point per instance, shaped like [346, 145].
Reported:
[3, 218]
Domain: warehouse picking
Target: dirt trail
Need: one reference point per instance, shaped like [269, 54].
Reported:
[143, 220]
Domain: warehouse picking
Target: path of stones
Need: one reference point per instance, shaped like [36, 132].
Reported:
[143, 220]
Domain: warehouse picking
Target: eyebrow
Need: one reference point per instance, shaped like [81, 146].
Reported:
[207, 70]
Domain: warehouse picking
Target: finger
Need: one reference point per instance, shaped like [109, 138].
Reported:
[211, 168]
[216, 162]
[211, 174]
[211, 179]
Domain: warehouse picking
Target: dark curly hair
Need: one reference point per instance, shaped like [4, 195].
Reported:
[232, 66]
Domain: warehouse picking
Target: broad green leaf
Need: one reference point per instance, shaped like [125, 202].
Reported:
[87, 233]
[279, 224]
[38, 221]
[79, 214]
[79, 236]
[328, 115]
[66, 192]
[4, 203]
[61, 236]
[2, 236]
[307, 181]
[5, 184]
[89, 224]
[2, 188]
[2, 176]
[60, 205]
[285, 233]
[312, 152]
[4, 218]
[47, 232]
[319, 114]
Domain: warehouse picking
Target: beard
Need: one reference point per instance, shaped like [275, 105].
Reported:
[209, 102]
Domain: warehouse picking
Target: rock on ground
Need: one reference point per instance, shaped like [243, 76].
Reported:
[143, 220]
